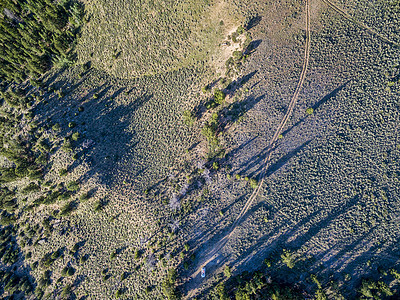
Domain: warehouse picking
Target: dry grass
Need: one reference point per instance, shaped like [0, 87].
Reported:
[140, 38]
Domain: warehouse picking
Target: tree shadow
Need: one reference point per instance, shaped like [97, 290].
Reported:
[317, 105]
[252, 47]
[283, 160]
[238, 83]
[235, 111]
[258, 250]
[254, 21]
[330, 95]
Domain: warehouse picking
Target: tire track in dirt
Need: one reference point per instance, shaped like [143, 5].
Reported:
[213, 253]
[362, 25]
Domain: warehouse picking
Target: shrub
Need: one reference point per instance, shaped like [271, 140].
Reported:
[188, 118]
[309, 111]
[66, 291]
[98, 206]
[240, 30]
[62, 172]
[237, 55]
[68, 271]
[67, 209]
[32, 187]
[287, 258]
[219, 96]
[76, 136]
[168, 286]
[205, 89]
[119, 293]
[227, 271]
[136, 256]
[84, 197]
[124, 275]
[73, 186]
[253, 183]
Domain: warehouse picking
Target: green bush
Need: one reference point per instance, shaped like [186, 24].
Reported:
[75, 136]
[63, 172]
[288, 258]
[67, 209]
[309, 111]
[66, 291]
[188, 118]
[219, 96]
[73, 186]
[168, 285]
[253, 183]
[31, 187]
[119, 293]
[227, 271]
[98, 206]
[84, 197]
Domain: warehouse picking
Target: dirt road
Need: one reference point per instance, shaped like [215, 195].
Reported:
[220, 244]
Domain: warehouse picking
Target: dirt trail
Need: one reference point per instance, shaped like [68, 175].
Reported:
[218, 246]
[351, 19]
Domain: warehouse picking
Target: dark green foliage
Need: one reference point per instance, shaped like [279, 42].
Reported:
[63, 172]
[256, 286]
[124, 275]
[237, 55]
[73, 186]
[209, 130]
[169, 286]
[84, 197]
[83, 259]
[98, 206]
[376, 290]
[67, 208]
[119, 293]
[68, 271]
[45, 280]
[7, 218]
[30, 188]
[66, 291]
[7, 200]
[31, 33]
[137, 254]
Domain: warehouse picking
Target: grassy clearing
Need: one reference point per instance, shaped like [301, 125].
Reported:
[131, 39]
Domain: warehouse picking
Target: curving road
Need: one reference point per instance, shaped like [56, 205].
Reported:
[218, 246]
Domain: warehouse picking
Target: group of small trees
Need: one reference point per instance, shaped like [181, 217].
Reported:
[35, 34]
[10, 254]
